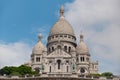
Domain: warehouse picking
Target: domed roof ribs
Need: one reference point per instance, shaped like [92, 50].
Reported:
[62, 26]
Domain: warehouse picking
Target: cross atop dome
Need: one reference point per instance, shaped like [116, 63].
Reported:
[62, 11]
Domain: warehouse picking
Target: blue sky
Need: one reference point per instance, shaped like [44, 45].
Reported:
[22, 20]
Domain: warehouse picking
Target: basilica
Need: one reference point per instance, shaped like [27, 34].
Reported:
[62, 56]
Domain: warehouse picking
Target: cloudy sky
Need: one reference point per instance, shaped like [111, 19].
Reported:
[22, 20]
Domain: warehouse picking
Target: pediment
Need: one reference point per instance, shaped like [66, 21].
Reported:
[58, 53]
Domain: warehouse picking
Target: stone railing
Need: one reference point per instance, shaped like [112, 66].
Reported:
[58, 77]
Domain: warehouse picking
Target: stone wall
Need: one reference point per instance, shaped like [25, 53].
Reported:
[57, 78]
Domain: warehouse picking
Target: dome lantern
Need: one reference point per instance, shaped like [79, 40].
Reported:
[61, 11]
[40, 37]
[81, 37]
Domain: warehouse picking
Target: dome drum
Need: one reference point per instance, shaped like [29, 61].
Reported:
[56, 41]
[62, 38]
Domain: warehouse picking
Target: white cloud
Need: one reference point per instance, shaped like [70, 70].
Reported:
[100, 22]
[14, 54]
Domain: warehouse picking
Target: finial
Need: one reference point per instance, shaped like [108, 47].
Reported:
[62, 11]
[81, 36]
[40, 37]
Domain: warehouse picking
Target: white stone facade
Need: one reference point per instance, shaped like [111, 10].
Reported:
[62, 56]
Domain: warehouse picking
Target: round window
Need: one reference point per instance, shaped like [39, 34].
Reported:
[82, 70]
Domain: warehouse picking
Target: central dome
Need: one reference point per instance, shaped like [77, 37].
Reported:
[62, 26]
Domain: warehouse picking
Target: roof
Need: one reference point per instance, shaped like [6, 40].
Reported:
[82, 47]
[39, 47]
[62, 26]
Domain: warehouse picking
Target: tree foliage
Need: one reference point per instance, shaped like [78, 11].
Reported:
[107, 74]
[15, 74]
[95, 75]
[17, 71]
[24, 70]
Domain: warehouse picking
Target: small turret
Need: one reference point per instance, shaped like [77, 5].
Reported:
[39, 47]
[82, 47]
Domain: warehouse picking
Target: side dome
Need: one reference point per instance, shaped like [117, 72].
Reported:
[62, 26]
[82, 47]
[39, 47]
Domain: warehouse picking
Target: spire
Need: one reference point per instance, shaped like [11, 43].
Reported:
[81, 37]
[40, 37]
[61, 11]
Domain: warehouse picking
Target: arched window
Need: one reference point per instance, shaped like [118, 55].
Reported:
[50, 68]
[82, 59]
[49, 50]
[69, 49]
[58, 61]
[67, 68]
[37, 59]
[32, 59]
[77, 59]
[67, 61]
[52, 48]
[65, 48]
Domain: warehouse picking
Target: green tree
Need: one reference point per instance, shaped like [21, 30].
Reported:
[107, 74]
[15, 74]
[17, 71]
[23, 70]
[95, 75]
[5, 70]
